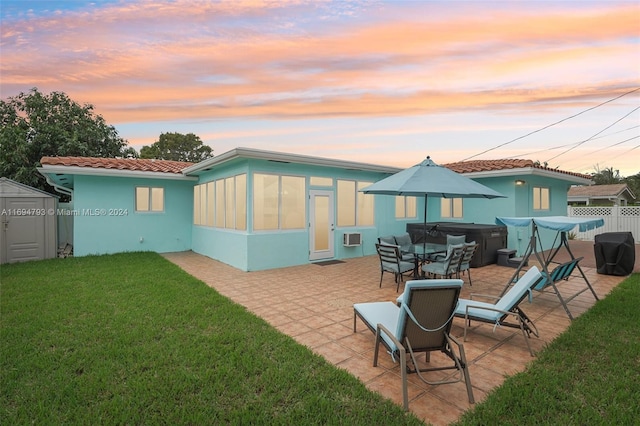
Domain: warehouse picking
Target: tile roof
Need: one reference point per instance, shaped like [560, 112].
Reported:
[496, 165]
[597, 190]
[132, 164]
[167, 166]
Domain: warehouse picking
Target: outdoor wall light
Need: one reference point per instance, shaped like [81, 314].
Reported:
[520, 182]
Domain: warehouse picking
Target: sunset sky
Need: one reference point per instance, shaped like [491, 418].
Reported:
[383, 82]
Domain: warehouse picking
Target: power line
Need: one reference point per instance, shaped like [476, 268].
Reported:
[596, 134]
[552, 124]
[574, 143]
[615, 144]
[622, 153]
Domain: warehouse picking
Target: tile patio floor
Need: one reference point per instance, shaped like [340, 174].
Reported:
[313, 304]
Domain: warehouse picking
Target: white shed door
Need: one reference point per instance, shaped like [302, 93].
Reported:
[22, 234]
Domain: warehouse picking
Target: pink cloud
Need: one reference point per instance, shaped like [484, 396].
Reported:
[155, 60]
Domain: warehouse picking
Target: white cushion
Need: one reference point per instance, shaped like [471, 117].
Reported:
[385, 313]
[506, 302]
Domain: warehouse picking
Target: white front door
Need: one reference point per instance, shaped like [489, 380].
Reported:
[321, 227]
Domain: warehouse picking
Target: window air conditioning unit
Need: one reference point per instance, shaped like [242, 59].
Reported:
[352, 240]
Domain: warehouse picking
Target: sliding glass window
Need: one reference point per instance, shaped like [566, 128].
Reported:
[279, 202]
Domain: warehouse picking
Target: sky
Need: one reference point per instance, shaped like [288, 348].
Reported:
[381, 82]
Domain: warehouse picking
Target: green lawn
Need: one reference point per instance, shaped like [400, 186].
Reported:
[132, 339]
[589, 375]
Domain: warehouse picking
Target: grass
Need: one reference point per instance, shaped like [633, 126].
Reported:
[589, 375]
[132, 339]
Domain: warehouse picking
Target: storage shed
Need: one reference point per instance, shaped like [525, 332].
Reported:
[28, 223]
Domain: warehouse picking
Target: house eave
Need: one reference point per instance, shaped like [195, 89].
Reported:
[93, 171]
[531, 171]
[257, 154]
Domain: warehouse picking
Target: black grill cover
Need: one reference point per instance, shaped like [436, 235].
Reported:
[615, 253]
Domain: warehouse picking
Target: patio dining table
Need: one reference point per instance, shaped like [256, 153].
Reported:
[423, 253]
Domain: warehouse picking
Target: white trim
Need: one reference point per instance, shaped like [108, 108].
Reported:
[285, 158]
[533, 171]
[94, 171]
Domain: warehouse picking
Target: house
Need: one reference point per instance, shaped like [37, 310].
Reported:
[256, 209]
[617, 194]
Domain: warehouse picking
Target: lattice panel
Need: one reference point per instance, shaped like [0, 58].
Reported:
[629, 211]
[591, 211]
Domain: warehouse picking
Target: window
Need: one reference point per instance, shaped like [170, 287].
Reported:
[149, 199]
[292, 208]
[203, 204]
[279, 202]
[354, 207]
[211, 203]
[229, 203]
[406, 207]
[346, 194]
[241, 202]
[365, 206]
[221, 203]
[320, 181]
[451, 207]
[196, 205]
[540, 198]
[219, 207]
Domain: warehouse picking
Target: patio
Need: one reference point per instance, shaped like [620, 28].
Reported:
[313, 305]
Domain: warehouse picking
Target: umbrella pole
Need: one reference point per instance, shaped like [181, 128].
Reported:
[424, 229]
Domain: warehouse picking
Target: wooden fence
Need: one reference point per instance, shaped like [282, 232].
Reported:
[616, 219]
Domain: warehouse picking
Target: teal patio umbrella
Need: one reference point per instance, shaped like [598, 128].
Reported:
[428, 179]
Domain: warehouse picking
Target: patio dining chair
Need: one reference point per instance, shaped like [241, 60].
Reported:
[391, 261]
[421, 322]
[506, 308]
[388, 239]
[447, 267]
[456, 239]
[452, 240]
[405, 244]
[465, 261]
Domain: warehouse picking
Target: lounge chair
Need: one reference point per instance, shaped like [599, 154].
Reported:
[421, 322]
[505, 308]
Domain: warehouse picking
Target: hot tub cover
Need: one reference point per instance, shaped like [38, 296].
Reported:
[557, 223]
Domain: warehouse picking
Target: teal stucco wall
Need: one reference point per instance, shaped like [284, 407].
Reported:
[251, 250]
[521, 205]
[105, 220]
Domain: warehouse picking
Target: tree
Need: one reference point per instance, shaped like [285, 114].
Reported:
[177, 147]
[34, 125]
[633, 182]
[609, 175]
[606, 176]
